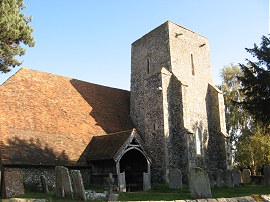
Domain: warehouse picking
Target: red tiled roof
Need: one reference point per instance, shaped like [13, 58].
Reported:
[110, 144]
[50, 119]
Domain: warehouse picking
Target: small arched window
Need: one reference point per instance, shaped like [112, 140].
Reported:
[148, 66]
[198, 142]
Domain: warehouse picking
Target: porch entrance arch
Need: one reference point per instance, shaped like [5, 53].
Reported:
[133, 163]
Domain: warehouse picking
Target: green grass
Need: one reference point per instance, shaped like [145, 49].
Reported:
[158, 192]
[163, 192]
[244, 190]
[47, 196]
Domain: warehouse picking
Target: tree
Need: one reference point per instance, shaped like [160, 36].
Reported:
[14, 30]
[250, 140]
[253, 150]
[255, 82]
[237, 119]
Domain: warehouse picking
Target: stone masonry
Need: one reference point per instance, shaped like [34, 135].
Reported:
[174, 105]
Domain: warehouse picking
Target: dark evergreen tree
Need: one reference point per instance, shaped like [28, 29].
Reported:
[14, 30]
[255, 82]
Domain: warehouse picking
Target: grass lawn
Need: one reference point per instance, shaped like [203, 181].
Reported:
[163, 192]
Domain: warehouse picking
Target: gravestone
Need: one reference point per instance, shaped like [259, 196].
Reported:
[146, 181]
[228, 179]
[199, 183]
[58, 182]
[122, 182]
[78, 187]
[236, 174]
[175, 179]
[44, 183]
[12, 183]
[68, 191]
[220, 178]
[246, 176]
[110, 181]
[266, 171]
[63, 183]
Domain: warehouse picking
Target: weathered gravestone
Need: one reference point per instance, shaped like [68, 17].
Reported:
[228, 179]
[246, 176]
[146, 181]
[78, 187]
[63, 183]
[12, 183]
[236, 174]
[44, 183]
[58, 182]
[266, 171]
[220, 178]
[175, 179]
[199, 184]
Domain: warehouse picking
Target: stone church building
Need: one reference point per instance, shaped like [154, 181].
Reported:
[173, 117]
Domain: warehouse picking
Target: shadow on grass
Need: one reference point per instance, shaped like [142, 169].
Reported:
[163, 192]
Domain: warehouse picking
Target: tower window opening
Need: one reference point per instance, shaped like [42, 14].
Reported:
[192, 65]
[198, 142]
[148, 66]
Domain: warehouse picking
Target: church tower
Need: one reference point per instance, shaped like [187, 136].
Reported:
[174, 106]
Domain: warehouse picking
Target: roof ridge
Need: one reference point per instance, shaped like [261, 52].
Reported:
[57, 75]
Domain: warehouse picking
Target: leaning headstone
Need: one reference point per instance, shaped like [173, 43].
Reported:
[266, 171]
[236, 174]
[220, 178]
[78, 187]
[44, 183]
[199, 183]
[63, 183]
[58, 182]
[12, 183]
[68, 191]
[228, 179]
[175, 179]
[246, 176]
[146, 181]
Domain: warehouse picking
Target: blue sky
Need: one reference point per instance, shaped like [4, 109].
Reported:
[91, 40]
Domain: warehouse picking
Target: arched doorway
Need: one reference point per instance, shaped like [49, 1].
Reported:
[134, 164]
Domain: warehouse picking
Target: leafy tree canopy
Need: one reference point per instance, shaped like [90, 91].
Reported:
[256, 82]
[253, 150]
[236, 117]
[14, 30]
[250, 140]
